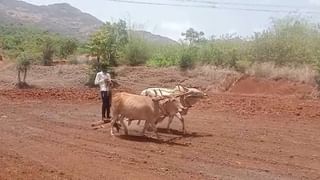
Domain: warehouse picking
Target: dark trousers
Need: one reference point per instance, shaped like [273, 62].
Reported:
[106, 103]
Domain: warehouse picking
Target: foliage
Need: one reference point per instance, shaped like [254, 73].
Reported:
[23, 64]
[193, 36]
[23, 61]
[67, 48]
[187, 59]
[42, 45]
[47, 52]
[136, 51]
[292, 40]
[165, 56]
[108, 42]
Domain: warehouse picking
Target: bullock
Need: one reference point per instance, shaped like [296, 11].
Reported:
[191, 97]
[132, 106]
[152, 92]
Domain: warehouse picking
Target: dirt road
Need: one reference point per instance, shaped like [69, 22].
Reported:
[230, 136]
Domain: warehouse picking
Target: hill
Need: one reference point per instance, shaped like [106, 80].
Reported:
[59, 18]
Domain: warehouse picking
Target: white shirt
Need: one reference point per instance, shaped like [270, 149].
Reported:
[100, 80]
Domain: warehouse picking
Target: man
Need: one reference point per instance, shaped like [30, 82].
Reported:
[103, 79]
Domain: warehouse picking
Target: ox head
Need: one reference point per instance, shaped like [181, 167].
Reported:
[192, 91]
[171, 106]
[191, 97]
[180, 88]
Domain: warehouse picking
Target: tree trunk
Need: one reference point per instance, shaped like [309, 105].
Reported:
[25, 75]
[19, 77]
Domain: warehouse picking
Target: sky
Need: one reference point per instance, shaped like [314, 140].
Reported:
[172, 21]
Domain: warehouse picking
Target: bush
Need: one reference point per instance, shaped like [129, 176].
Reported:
[136, 51]
[67, 48]
[242, 66]
[23, 61]
[187, 60]
[163, 60]
[73, 60]
[47, 52]
[23, 64]
[289, 41]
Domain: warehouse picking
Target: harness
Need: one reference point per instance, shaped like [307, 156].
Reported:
[163, 111]
[185, 103]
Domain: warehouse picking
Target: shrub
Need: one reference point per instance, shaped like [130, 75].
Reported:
[23, 64]
[67, 48]
[136, 51]
[73, 60]
[47, 52]
[187, 60]
[165, 56]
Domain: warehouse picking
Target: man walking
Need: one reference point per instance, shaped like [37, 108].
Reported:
[103, 79]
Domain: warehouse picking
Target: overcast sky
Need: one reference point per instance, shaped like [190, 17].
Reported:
[171, 21]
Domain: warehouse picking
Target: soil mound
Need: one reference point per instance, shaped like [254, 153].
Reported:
[252, 85]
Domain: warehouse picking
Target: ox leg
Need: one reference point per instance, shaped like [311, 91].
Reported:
[169, 122]
[179, 116]
[146, 124]
[122, 123]
[113, 121]
[160, 119]
[153, 125]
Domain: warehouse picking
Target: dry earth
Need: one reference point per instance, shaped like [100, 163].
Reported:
[271, 132]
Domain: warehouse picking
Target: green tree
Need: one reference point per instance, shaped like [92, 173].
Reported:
[289, 41]
[136, 51]
[108, 41]
[40, 44]
[193, 36]
[23, 64]
[67, 47]
[47, 51]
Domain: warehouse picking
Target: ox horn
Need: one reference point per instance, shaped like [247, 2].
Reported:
[183, 94]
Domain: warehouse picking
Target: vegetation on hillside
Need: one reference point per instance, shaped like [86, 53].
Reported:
[41, 45]
[289, 42]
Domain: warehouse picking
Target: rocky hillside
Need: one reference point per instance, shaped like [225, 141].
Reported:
[59, 18]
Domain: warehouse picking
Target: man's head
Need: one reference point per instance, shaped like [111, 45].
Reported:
[104, 67]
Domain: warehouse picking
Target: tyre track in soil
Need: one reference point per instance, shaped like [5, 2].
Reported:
[222, 144]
